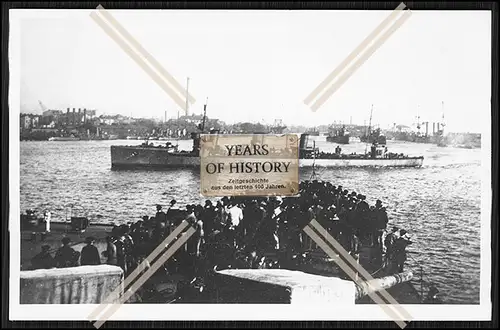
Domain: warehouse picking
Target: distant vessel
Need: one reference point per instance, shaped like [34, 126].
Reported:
[338, 135]
[64, 138]
[164, 157]
[437, 137]
[147, 155]
[373, 136]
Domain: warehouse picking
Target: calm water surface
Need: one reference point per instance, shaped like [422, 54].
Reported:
[439, 204]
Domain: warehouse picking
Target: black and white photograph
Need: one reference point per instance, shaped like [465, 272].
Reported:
[391, 115]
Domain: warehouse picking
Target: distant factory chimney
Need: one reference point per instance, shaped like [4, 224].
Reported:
[73, 117]
[67, 116]
[433, 128]
[426, 128]
[79, 120]
[84, 115]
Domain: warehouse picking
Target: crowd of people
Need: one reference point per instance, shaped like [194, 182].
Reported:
[254, 225]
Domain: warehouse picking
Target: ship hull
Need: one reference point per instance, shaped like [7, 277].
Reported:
[338, 139]
[371, 139]
[363, 162]
[64, 139]
[124, 157]
[134, 157]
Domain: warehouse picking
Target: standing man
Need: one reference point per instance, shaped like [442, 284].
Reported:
[66, 256]
[90, 254]
[235, 217]
[111, 251]
[160, 216]
[170, 216]
[191, 220]
[400, 249]
[47, 216]
[389, 243]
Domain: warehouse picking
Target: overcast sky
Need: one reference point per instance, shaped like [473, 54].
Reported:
[260, 66]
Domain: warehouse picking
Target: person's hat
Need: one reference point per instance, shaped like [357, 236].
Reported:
[173, 201]
[378, 202]
[90, 239]
[145, 217]
[208, 202]
[402, 232]
[158, 207]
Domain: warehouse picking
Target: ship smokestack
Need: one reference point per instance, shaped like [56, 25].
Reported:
[426, 128]
[73, 117]
[67, 116]
[79, 115]
[84, 115]
[433, 128]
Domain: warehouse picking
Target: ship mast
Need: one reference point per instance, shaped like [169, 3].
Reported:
[368, 134]
[187, 97]
[442, 117]
[204, 116]
[370, 122]
[418, 120]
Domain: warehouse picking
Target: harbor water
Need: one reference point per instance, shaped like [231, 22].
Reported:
[439, 203]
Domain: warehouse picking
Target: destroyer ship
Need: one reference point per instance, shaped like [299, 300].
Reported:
[339, 136]
[167, 156]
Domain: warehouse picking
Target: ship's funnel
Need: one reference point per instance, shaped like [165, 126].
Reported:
[367, 287]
